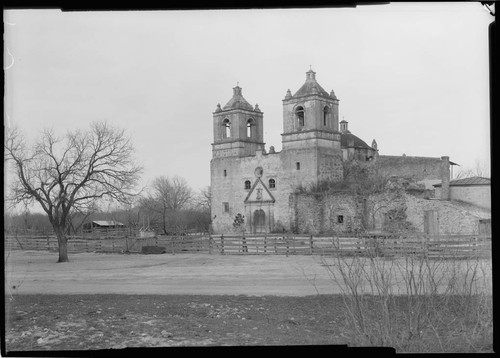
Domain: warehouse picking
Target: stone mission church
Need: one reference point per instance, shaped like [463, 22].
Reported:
[247, 180]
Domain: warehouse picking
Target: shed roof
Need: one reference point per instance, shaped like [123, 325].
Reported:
[107, 223]
[468, 182]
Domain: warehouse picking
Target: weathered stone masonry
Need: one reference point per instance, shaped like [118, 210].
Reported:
[261, 185]
[258, 184]
[319, 214]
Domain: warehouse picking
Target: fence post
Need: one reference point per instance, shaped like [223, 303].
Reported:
[17, 240]
[311, 243]
[209, 244]
[171, 242]
[287, 246]
[244, 244]
[48, 243]
[474, 246]
[275, 247]
[426, 247]
[222, 244]
[265, 243]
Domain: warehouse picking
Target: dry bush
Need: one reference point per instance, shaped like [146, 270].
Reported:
[414, 303]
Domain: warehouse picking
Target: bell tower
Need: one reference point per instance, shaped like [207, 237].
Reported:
[311, 116]
[311, 132]
[238, 128]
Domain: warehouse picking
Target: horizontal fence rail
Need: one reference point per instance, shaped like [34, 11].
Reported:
[374, 245]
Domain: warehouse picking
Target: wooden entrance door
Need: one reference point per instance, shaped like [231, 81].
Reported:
[431, 222]
[259, 221]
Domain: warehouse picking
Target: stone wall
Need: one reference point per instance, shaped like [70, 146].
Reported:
[424, 170]
[453, 217]
[479, 195]
[320, 213]
[392, 210]
[289, 168]
[231, 189]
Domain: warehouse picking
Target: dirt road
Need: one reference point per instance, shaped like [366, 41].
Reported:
[36, 272]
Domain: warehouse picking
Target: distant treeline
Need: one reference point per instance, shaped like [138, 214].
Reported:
[188, 220]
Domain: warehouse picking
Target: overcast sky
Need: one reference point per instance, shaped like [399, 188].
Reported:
[412, 76]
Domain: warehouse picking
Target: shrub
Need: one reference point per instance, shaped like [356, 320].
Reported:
[416, 304]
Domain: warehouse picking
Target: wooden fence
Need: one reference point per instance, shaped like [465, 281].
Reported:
[128, 244]
[374, 245]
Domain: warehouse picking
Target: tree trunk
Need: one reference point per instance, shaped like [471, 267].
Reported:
[62, 241]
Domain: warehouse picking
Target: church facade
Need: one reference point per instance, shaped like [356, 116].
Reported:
[261, 185]
[248, 180]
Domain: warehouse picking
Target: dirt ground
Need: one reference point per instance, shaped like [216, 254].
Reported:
[112, 301]
[36, 272]
[29, 272]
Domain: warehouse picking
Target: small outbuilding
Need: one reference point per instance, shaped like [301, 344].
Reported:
[102, 225]
[473, 190]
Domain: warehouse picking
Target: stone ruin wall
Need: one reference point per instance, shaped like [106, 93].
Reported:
[318, 214]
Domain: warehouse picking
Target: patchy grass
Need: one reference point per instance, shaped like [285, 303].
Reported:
[93, 322]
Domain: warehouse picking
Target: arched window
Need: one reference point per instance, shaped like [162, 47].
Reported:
[326, 110]
[250, 128]
[299, 114]
[248, 184]
[272, 184]
[226, 130]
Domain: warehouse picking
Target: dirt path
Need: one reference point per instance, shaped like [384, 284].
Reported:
[30, 272]
[36, 272]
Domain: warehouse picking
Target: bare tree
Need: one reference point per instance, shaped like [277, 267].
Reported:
[480, 169]
[70, 173]
[167, 197]
[78, 217]
[204, 201]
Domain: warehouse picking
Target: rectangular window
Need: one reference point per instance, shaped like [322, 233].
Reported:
[297, 165]
[226, 207]
[340, 219]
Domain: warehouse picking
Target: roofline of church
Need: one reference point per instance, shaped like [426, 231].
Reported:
[311, 130]
[237, 109]
[309, 96]
[237, 140]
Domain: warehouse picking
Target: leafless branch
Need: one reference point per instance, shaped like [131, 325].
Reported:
[71, 173]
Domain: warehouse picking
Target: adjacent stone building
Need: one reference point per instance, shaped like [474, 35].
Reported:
[261, 185]
[391, 211]
[473, 190]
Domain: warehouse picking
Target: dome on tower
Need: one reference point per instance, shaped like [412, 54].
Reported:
[238, 102]
[349, 140]
[311, 86]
